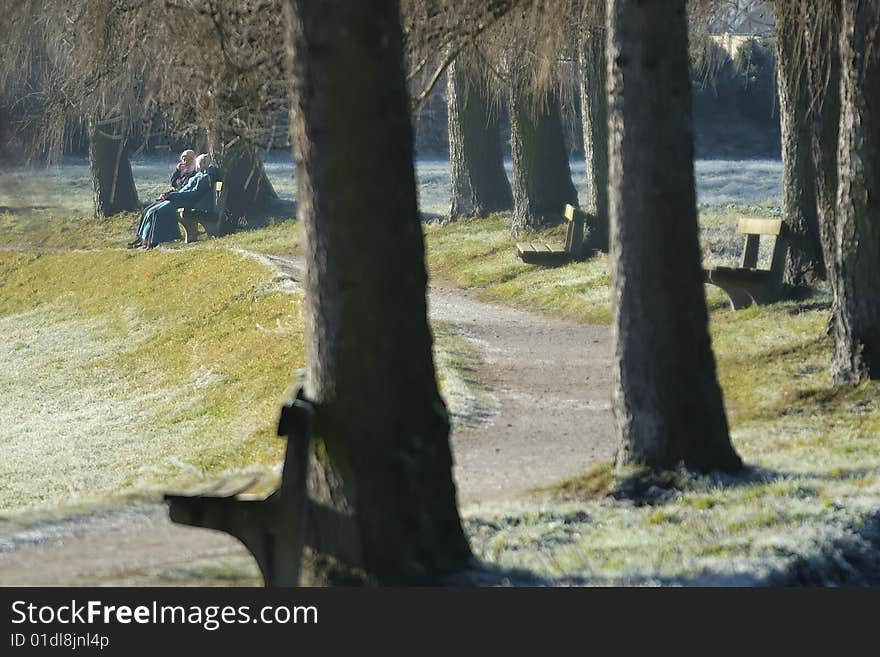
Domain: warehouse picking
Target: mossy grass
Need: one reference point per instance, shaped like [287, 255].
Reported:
[200, 317]
[196, 347]
[812, 479]
[166, 367]
[812, 451]
[481, 255]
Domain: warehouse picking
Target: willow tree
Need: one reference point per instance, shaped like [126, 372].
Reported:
[476, 163]
[250, 194]
[521, 43]
[530, 46]
[594, 118]
[856, 281]
[805, 264]
[541, 173]
[236, 77]
[821, 43]
[381, 452]
[211, 68]
[73, 60]
[666, 399]
[112, 180]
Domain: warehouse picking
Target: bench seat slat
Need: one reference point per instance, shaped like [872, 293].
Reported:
[224, 488]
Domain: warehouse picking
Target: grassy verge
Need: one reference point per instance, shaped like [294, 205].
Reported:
[143, 369]
[127, 371]
[805, 507]
[45, 230]
[481, 255]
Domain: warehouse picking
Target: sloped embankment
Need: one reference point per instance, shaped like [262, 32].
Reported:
[124, 372]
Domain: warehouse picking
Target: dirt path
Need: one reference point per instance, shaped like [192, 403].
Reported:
[552, 384]
[550, 419]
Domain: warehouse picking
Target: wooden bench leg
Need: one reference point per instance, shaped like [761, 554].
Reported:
[270, 529]
[742, 295]
[739, 297]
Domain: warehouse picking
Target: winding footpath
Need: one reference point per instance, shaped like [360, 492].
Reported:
[549, 419]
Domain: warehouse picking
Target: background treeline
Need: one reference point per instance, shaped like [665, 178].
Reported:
[736, 114]
[735, 105]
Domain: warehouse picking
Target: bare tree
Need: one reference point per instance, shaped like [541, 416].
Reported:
[805, 264]
[594, 116]
[856, 281]
[382, 458]
[211, 67]
[541, 174]
[821, 43]
[476, 164]
[666, 398]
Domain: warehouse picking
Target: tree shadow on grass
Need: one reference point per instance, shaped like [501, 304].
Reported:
[850, 560]
[645, 487]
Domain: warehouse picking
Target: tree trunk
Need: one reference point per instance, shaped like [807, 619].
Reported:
[666, 398]
[856, 284]
[804, 264]
[112, 180]
[382, 458]
[476, 164]
[822, 41]
[594, 115]
[541, 174]
[250, 196]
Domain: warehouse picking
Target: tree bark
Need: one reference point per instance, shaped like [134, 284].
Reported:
[541, 174]
[479, 183]
[856, 283]
[594, 116]
[382, 458]
[822, 41]
[250, 195]
[804, 264]
[112, 181]
[666, 399]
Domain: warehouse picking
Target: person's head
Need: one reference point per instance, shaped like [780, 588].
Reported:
[188, 159]
[203, 161]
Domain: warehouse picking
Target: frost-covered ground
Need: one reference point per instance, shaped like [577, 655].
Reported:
[719, 182]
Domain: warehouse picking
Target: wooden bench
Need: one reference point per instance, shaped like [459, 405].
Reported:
[210, 222]
[543, 254]
[747, 284]
[265, 515]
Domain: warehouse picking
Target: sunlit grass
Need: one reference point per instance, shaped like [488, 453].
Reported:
[126, 373]
[168, 350]
[281, 238]
[812, 482]
[812, 451]
[126, 370]
[481, 255]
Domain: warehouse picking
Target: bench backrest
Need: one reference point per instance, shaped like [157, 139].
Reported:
[753, 228]
[574, 236]
[219, 201]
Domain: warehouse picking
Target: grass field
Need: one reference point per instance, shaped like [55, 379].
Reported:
[125, 372]
[130, 371]
[805, 509]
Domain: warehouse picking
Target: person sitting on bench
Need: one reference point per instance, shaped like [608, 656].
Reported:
[160, 220]
[184, 170]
